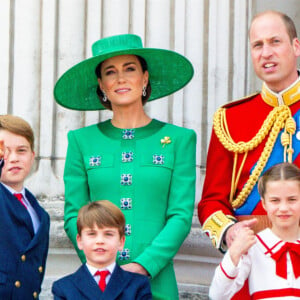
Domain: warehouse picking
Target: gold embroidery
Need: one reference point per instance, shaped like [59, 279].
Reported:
[215, 225]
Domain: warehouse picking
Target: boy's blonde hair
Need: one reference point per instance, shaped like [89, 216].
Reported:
[282, 171]
[17, 126]
[102, 213]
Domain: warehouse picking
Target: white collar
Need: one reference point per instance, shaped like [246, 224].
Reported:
[13, 191]
[93, 270]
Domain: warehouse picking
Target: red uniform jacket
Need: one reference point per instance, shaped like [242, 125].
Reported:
[244, 119]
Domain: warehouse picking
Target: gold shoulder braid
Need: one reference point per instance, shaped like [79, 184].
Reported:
[280, 117]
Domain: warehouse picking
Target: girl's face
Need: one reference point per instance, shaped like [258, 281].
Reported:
[282, 204]
[122, 80]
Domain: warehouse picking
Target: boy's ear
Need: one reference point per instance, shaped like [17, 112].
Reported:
[122, 243]
[79, 243]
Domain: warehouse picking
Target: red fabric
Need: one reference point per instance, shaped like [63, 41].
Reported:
[281, 259]
[19, 196]
[243, 293]
[276, 294]
[259, 210]
[244, 121]
[102, 281]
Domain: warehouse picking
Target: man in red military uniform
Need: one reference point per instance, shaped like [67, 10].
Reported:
[254, 133]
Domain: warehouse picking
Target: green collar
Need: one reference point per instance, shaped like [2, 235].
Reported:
[131, 133]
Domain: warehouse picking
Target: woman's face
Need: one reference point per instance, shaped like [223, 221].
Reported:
[122, 80]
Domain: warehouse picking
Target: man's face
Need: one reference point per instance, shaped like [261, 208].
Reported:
[274, 55]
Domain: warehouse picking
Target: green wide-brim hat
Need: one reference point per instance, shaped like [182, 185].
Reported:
[168, 72]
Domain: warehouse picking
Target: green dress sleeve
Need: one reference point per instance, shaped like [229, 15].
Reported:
[179, 210]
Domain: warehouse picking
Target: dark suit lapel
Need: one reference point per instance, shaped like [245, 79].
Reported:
[17, 209]
[117, 283]
[43, 218]
[84, 281]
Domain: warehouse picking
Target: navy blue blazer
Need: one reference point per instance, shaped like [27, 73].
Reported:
[122, 285]
[22, 253]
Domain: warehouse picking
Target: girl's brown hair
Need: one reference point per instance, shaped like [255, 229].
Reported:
[282, 171]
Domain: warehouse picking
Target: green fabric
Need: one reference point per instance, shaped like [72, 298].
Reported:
[162, 195]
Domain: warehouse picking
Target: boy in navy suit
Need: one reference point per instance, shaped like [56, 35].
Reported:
[24, 224]
[101, 234]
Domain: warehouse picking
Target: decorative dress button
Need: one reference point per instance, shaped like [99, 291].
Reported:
[127, 156]
[23, 257]
[128, 134]
[158, 159]
[124, 254]
[126, 179]
[127, 229]
[41, 269]
[298, 129]
[95, 161]
[17, 284]
[126, 203]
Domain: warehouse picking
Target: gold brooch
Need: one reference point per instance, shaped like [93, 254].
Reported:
[165, 140]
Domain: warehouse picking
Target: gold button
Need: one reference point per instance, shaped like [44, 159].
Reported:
[35, 295]
[17, 284]
[23, 257]
[40, 269]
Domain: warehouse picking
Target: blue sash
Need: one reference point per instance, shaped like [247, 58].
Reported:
[276, 157]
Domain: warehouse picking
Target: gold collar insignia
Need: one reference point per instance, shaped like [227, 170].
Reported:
[286, 97]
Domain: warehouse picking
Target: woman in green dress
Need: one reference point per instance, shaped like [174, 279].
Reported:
[145, 166]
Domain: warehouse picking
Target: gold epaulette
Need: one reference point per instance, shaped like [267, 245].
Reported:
[216, 225]
[240, 100]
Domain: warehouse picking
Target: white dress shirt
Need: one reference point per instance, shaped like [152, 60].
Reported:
[260, 269]
[93, 270]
